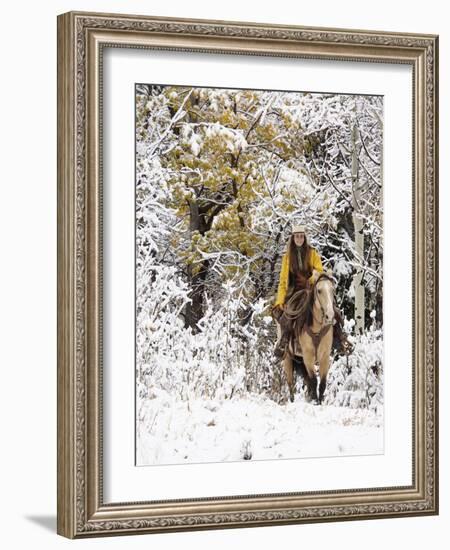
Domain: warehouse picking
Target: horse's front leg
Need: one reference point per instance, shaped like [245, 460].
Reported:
[311, 380]
[324, 366]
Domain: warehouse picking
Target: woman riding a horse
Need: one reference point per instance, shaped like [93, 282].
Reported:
[297, 273]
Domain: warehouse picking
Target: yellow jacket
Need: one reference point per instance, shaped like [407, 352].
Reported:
[314, 263]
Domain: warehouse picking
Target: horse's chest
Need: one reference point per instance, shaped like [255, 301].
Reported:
[316, 345]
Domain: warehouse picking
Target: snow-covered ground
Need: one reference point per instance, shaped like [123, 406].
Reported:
[172, 431]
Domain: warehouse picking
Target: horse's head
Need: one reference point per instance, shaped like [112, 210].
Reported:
[323, 301]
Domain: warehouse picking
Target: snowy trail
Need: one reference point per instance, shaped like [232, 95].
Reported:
[171, 431]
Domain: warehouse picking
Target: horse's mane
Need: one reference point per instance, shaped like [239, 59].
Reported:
[323, 275]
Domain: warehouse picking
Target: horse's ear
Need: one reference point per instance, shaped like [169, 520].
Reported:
[330, 275]
[315, 275]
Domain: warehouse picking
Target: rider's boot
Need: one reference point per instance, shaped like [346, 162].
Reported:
[340, 341]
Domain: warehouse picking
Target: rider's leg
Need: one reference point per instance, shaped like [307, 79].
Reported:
[285, 326]
[340, 341]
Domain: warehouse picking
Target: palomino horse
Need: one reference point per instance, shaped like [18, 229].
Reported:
[313, 340]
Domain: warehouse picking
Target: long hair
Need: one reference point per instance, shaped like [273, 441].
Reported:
[305, 251]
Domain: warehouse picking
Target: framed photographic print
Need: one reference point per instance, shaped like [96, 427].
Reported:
[247, 282]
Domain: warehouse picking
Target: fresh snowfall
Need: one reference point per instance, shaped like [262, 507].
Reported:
[221, 175]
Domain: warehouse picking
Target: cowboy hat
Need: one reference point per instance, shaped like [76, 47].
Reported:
[298, 229]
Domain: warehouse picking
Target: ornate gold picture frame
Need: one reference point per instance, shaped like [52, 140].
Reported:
[82, 41]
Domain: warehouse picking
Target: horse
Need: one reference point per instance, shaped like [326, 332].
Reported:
[313, 338]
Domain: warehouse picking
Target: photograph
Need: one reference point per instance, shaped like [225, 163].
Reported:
[258, 274]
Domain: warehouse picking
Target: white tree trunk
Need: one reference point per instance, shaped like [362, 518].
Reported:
[359, 242]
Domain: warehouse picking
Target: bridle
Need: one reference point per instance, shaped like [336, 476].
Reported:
[316, 295]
